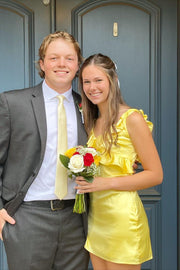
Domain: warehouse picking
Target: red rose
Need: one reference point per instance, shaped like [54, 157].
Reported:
[88, 159]
[76, 153]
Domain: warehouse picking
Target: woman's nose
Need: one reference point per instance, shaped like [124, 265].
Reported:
[92, 86]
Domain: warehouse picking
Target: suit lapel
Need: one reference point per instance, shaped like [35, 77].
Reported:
[40, 115]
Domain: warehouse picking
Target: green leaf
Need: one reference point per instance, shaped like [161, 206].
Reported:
[89, 178]
[64, 160]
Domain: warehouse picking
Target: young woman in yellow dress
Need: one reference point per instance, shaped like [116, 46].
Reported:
[118, 231]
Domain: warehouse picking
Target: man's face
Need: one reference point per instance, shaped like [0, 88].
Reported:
[60, 65]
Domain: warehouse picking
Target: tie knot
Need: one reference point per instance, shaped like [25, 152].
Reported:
[61, 98]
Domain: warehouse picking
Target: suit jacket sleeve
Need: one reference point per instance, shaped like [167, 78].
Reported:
[4, 138]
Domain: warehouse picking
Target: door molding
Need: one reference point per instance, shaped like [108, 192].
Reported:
[154, 16]
[28, 22]
[154, 64]
[178, 135]
[53, 16]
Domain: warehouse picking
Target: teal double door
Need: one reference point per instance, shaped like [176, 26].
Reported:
[141, 37]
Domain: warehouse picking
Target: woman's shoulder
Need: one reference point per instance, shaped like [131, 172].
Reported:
[126, 111]
[136, 117]
[132, 116]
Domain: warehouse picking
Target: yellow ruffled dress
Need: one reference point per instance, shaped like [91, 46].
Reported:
[118, 228]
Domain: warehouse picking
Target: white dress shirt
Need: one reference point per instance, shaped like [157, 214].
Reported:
[43, 186]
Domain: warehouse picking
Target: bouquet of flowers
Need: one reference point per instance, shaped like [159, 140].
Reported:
[81, 161]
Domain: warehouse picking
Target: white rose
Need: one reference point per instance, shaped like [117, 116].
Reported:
[76, 163]
[91, 151]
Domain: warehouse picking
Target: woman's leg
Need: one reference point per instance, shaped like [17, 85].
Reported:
[99, 264]
[117, 266]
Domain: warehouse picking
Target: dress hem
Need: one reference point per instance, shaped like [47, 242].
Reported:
[117, 261]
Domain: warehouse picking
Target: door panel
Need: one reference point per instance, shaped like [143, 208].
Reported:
[15, 50]
[23, 25]
[145, 54]
[135, 50]
[132, 43]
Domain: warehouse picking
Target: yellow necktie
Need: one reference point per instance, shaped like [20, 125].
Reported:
[61, 171]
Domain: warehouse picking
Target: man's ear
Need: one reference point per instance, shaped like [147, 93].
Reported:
[41, 63]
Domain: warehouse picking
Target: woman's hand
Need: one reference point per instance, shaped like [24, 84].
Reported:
[99, 183]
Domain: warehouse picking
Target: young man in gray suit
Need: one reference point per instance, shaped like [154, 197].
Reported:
[41, 232]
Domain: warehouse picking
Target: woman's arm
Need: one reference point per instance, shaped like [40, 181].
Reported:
[145, 147]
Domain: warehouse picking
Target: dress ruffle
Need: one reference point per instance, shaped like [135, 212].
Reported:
[126, 156]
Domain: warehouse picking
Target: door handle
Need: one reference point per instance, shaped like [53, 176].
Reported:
[115, 29]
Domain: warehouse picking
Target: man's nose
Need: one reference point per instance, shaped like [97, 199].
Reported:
[61, 62]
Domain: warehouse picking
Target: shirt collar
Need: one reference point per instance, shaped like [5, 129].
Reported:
[50, 93]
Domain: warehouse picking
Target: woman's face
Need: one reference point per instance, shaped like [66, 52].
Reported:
[95, 84]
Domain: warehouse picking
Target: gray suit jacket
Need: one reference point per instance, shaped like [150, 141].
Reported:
[22, 142]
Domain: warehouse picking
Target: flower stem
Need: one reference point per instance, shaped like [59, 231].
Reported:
[79, 206]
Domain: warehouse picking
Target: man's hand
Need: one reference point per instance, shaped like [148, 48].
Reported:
[135, 166]
[4, 217]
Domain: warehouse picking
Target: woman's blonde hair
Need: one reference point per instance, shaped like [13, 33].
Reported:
[54, 36]
[115, 99]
